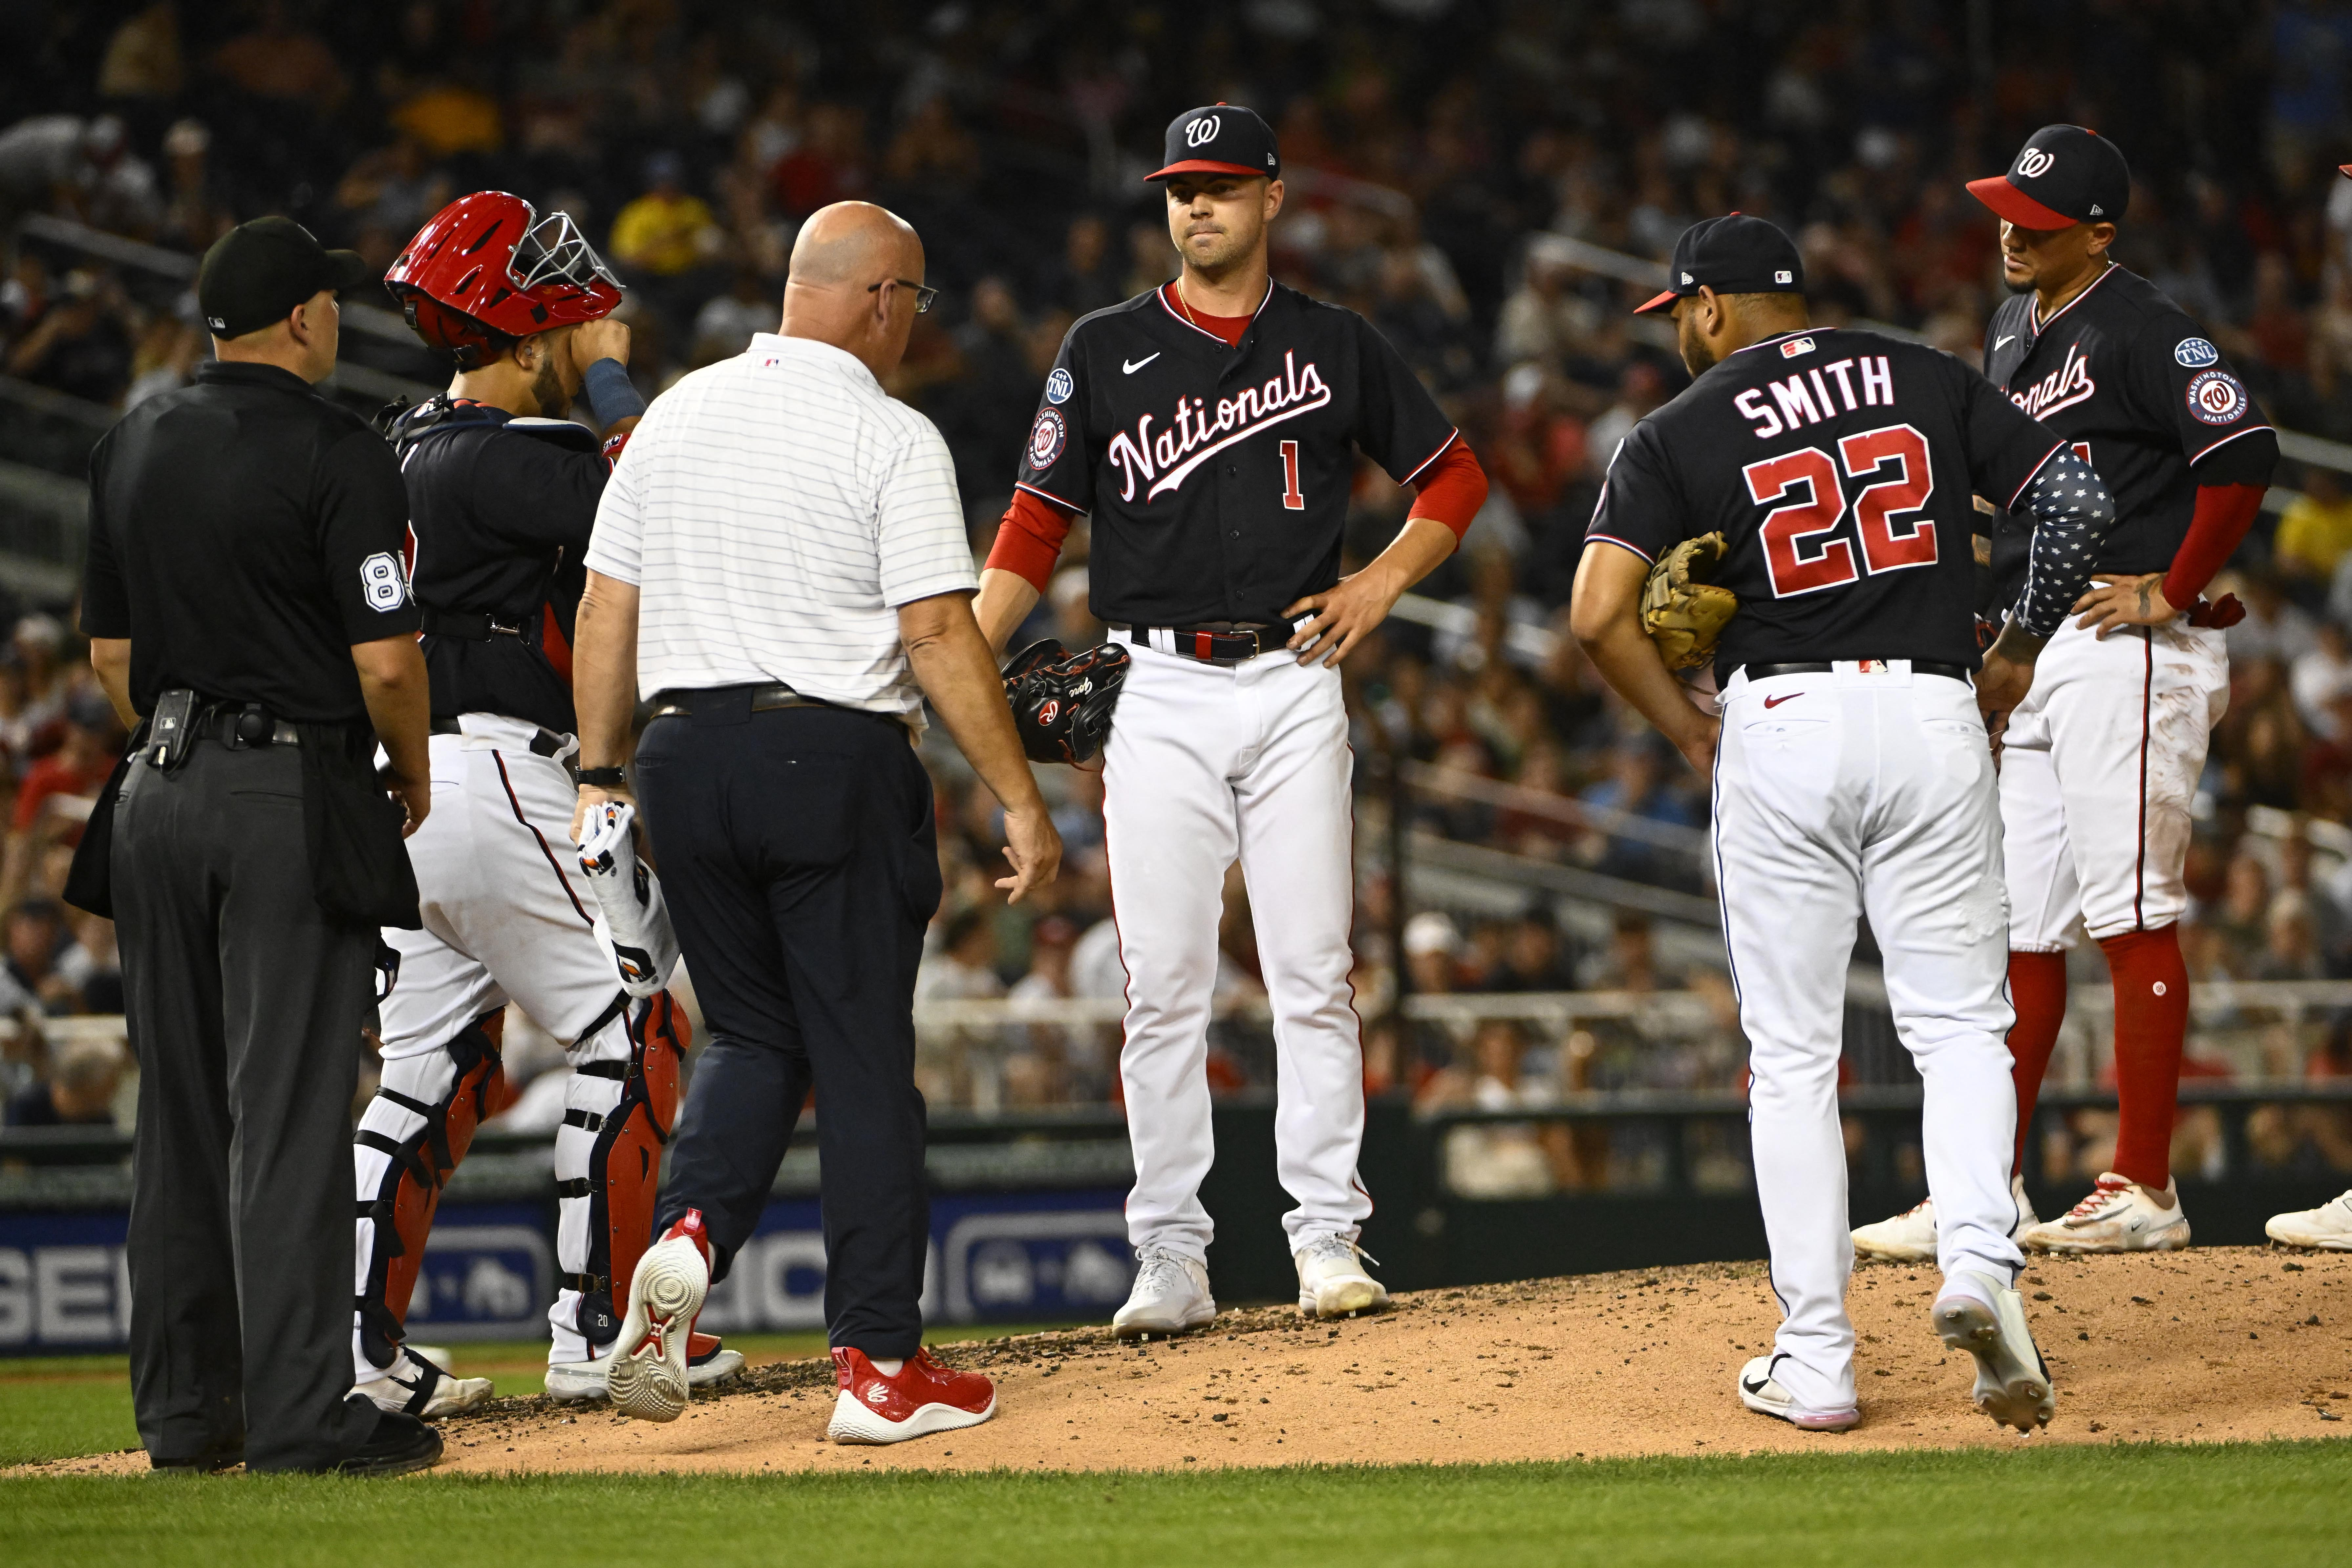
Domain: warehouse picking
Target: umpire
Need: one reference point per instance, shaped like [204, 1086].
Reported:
[250, 616]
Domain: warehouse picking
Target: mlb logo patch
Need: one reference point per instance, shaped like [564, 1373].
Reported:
[1796, 347]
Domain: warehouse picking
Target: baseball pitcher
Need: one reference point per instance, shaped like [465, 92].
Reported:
[1851, 769]
[1210, 427]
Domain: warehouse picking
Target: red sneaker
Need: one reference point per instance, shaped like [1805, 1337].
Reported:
[647, 1375]
[923, 1398]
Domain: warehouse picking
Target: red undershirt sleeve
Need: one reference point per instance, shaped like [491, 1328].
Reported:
[1452, 489]
[2223, 514]
[1029, 539]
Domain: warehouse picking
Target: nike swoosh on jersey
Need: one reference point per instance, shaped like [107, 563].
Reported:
[1999, 342]
[1776, 701]
[1131, 367]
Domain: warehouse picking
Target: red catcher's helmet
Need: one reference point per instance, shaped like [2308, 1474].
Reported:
[488, 268]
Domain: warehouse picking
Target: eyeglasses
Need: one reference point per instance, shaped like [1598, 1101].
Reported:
[923, 297]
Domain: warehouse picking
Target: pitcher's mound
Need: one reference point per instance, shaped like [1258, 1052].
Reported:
[2201, 1346]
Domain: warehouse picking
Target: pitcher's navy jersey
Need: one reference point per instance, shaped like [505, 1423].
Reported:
[500, 510]
[1218, 477]
[2122, 375]
[1838, 465]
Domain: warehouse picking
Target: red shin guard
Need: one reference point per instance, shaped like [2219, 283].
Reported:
[2151, 1023]
[2037, 989]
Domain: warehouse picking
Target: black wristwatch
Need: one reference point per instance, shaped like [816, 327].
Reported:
[605, 778]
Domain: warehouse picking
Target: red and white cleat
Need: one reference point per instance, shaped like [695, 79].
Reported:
[646, 1376]
[921, 1398]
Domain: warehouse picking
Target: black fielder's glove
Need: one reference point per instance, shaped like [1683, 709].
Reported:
[1062, 702]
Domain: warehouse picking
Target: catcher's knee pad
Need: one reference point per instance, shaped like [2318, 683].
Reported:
[631, 1066]
[416, 1131]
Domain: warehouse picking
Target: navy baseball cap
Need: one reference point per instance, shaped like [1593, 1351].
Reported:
[1733, 255]
[2063, 176]
[1220, 138]
[260, 270]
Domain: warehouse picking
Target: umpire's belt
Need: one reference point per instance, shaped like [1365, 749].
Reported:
[467, 627]
[721, 702]
[1218, 642]
[1959, 672]
[240, 729]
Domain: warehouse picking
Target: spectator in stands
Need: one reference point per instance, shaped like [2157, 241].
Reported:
[2315, 531]
[77, 1091]
[2273, 627]
[1536, 956]
[45, 969]
[1088, 276]
[2319, 677]
[1638, 787]
[723, 327]
[195, 215]
[55, 796]
[665, 241]
[81, 344]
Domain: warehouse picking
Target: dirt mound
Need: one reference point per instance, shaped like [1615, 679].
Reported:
[2203, 1346]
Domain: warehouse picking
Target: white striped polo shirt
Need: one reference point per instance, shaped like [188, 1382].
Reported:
[774, 510]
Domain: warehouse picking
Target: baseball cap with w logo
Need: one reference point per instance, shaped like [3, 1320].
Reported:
[2064, 175]
[1220, 138]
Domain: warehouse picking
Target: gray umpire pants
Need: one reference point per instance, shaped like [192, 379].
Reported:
[245, 1006]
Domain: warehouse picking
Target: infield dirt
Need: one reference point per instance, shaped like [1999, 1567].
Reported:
[2209, 1345]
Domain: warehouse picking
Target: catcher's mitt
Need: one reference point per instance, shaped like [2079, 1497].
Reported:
[1682, 611]
[1062, 702]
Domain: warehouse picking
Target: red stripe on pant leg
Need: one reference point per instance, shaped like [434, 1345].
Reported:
[2147, 699]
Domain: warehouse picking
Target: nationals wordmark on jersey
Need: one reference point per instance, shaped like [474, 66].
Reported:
[1838, 465]
[1218, 475]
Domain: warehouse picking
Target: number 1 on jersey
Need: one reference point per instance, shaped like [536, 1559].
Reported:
[1291, 497]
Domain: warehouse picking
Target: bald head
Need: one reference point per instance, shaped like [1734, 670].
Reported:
[855, 271]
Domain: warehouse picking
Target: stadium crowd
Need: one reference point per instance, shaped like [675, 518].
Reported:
[1462, 203]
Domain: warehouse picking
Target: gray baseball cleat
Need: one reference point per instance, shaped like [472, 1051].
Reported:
[1170, 1295]
[2012, 1380]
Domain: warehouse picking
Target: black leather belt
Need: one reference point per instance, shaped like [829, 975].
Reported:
[467, 627]
[543, 742]
[1224, 642]
[1918, 667]
[681, 703]
[240, 731]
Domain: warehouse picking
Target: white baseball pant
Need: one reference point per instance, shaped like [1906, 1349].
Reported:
[2099, 769]
[1205, 763]
[1866, 789]
[508, 917]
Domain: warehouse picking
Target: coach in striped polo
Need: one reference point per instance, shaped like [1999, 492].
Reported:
[780, 568]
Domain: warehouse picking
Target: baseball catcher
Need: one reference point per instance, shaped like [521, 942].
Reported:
[502, 492]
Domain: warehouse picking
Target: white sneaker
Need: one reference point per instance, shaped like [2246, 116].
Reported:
[1332, 1282]
[2012, 1380]
[708, 1363]
[2120, 1216]
[2327, 1227]
[1910, 1236]
[1170, 1295]
[646, 1373]
[416, 1386]
[1762, 1393]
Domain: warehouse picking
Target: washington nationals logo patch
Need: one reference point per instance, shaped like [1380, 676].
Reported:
[2216, 397]
[1046, 438]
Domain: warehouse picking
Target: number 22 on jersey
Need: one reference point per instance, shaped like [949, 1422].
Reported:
[1894, 459]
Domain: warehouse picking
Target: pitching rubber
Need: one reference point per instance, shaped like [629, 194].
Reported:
[2011, 1390]
[853, 1422]
[648, 1378]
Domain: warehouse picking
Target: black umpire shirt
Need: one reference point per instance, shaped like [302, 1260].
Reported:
[1839, 465]
[244, 533]
[2122, 375]
[1218, 477]
[501, 508]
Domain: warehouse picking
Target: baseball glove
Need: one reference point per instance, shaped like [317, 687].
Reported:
[1682, 611]
[1062, 702]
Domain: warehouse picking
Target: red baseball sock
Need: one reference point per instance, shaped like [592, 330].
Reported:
[2151, 1021]
[2037, 989]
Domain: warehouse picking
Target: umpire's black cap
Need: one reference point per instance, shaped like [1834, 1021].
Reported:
[258, 271]
[1220, 138]
[1733, 255]
[2063, 176]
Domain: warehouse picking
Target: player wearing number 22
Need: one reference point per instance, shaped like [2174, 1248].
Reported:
[2100, 763]
[1851, 769]
[1207, 425]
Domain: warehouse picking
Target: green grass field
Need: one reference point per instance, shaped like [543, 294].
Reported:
[2275, 1504]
